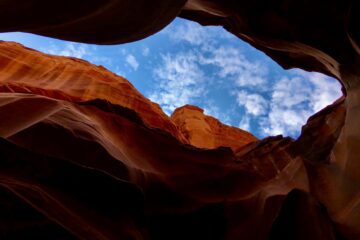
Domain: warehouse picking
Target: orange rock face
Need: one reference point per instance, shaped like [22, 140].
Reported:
[207, 132]
[83, 155]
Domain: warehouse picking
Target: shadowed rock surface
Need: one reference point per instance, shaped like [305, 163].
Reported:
[85, 156]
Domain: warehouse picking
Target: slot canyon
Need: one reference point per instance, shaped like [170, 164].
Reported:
[84, 155]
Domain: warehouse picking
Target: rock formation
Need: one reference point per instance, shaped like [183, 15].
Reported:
[207, 132]
[84, 155]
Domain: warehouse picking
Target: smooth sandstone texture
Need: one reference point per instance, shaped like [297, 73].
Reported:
[94, 122]
[207, 132]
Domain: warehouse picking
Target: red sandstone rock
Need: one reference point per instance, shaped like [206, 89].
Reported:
[204, 131]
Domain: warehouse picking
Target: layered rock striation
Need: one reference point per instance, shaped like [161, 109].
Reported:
[84, 155]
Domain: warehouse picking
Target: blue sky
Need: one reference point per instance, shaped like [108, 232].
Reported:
[186, 63]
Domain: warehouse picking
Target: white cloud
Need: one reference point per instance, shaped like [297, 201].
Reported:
[292, 100]
[254, 104]
[288, 107]
[179, 80]
[326, 90]
[145, 51]
[204, 37]
[295, 99]
[79, 50]
[284, 121]
[69, 50]
[245, 123]
[213, 110]
[107, 61]
[235, 66]
[189, 32]
[131, 60]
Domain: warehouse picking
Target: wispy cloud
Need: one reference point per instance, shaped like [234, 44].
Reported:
[145, 51]
[179, 79]
[325, 89]
[69, 50]
[131, 60]
[294, 99]
[190, 32]
[212, 109]
[233, 65]
[254, 103]
[245, 123]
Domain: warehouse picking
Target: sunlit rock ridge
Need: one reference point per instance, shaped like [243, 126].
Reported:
[84, 155]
